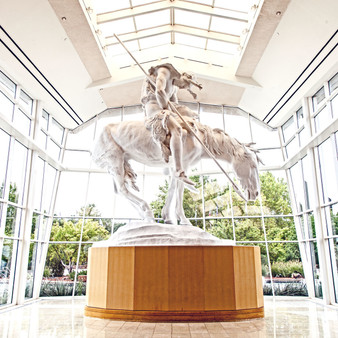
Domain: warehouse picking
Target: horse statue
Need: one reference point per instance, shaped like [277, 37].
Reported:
[132, 140]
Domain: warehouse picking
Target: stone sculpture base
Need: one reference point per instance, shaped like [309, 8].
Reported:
[175, 283]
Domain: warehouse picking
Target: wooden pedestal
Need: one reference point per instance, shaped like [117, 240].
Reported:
[175, 283]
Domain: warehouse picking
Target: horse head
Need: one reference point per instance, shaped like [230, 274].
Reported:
[246, 168]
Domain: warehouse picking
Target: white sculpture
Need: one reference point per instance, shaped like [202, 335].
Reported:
[131, 140]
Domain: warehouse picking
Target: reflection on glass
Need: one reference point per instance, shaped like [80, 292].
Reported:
[300, 117]
[310, 219]
[26, 102]
[44, 120]
[22, 122]
[316, 269]
[53, 149]
[18, 172]
[328, 170]
[291, 148]
[71, 193]
[13, 221]
[322, 119]
[58, 275]
[4, 148]
[56, 131]
[297, 184]
[288, 129]
[6, 106]
[318, 98]
[221, 228]
[4, 80]
[82, 140]
[287, 270]
[31, 266]
[8, 261]
[333, 83]
[249, 229]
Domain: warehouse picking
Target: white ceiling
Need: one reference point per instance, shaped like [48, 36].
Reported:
[61, 52]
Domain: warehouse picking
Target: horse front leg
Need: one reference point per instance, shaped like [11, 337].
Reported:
[179, 205]
[168, 202]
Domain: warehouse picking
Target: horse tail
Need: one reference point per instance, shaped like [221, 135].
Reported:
[108, 153]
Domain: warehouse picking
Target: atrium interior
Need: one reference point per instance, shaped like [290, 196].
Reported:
[269, 72]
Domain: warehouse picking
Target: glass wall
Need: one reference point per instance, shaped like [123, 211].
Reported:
[55, 202]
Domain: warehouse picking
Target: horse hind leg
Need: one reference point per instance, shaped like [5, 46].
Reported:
[119, 175]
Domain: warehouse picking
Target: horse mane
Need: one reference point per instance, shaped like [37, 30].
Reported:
[219, 143]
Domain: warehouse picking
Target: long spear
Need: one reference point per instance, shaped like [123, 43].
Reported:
[173, 108]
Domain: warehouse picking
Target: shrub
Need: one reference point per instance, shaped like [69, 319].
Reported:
[46, 272]
[286, 269]
[286, 289]
[80, 273]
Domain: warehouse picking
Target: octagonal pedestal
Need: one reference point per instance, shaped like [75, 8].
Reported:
[175, 283]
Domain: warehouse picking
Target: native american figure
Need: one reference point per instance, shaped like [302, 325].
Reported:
[162, 140]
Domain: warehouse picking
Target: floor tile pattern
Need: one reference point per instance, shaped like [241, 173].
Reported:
[64, 318]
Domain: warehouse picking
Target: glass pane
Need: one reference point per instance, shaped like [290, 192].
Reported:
[44, 120]
[211, 116]
[292, 147]
[287, 270]
[280, 229]
[334, 106]
[6, 106]
[322, 119]
[271, 157]
[155, 19]
[316, 270]
[38, 181]
[249, 229]
[81, 283]
[331, 216]
[288, 129]
[328, 170]
[110, 6]
[71, 193]
[36, 218]
[4, 149]
[263, 136]
[32, 258]
[228, 26]
[154, 41]
[56, 131]
[333, 245]
[298, 188]
[82, 140]
[117, 49]
[243, 6]
[318, 98]
[237, 125]
[60, 264]
[132, 113]
[222, 47]
[120, 26]
[48, 186]
[7, 269]
[42, 139]
[191, 19]
[22, 122]
[26, 102]
[190, 40]
[300, 117]
[221, 228]
[13, 221]
[76, 159]
[333, 83]
[18, 172]
[8, 83]
[308, 184]
[303, 136]
[53, 149]
[101, 194]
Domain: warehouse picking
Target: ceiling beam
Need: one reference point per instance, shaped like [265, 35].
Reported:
[163, 5]
[175, 29]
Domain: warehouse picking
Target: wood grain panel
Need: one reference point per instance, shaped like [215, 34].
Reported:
[219, 278]
[97, 278]
[258, 273]
[186, 280]
[245, 278]
[151, 278]
[175, 316]
[120, 289]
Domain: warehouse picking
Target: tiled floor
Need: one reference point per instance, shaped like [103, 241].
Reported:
[64, 318]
